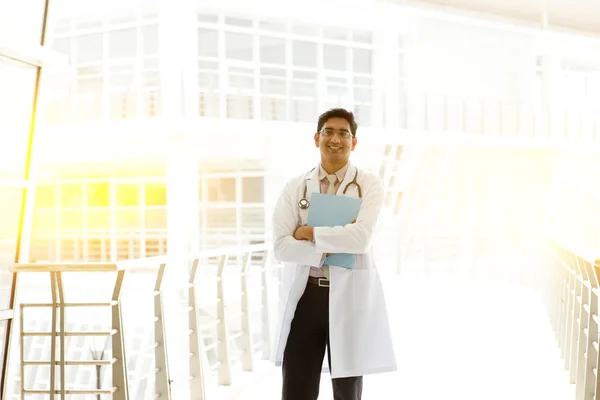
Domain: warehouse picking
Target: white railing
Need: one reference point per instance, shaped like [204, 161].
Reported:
[572, 295]
[131, 383]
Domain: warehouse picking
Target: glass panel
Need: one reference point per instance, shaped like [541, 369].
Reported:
[71, 220]
[156, 194]
[253, 189]
[98, 194]
[304, 54]
[128, 219]
[243, 22]
[10, 212]
[156, 219]
[334, 57]
[208, 43]
[98, 220]
[45, 196]
[238, 46]
[128, 195]
[272, 50]
[17, 83]
[71, 195]
[362, 61]
[150, 39]
[220, 189]
[89, 48]
[123, 43]
[22, 19]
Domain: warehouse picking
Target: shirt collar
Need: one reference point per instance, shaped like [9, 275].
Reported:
[340, 173]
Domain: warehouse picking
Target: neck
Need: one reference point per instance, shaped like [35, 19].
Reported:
[331, 167]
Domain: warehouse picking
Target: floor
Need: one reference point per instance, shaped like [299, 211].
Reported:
[455, 339]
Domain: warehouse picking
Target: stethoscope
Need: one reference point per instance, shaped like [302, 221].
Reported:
[303, 204]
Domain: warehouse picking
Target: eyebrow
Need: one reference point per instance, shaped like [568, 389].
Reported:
[333, 129]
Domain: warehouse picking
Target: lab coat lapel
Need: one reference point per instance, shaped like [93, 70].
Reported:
[312, 183]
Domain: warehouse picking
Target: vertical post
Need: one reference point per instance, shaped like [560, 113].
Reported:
[248, 355]
[163, 381]
[21, 349]
[222, 331]
[119, 371]
[593, 383]
[52, 338]
[584, 322]
[61, 299]
[197, 388]
[264, 286]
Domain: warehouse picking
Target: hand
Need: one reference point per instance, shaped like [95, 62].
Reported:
[304, 233]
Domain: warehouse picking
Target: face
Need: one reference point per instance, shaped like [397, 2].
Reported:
[335, 140]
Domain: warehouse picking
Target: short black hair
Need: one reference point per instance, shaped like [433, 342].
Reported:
[338, 113]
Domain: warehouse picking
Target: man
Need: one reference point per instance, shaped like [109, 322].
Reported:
[326, 306]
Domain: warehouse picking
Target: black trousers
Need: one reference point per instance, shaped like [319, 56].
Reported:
[305, 349]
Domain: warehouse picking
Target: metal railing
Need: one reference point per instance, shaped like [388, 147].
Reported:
[206, 269]
[572, 295]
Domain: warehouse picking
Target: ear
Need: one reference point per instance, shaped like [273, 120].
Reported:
[354, 141]
[316, 139]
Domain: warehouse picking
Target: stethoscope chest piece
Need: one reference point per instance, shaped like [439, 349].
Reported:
[303, 204]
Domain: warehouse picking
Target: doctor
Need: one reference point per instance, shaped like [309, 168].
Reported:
[324, 306]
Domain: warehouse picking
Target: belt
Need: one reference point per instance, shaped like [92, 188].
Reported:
[321, 282]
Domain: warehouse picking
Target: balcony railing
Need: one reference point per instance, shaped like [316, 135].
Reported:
[212, 299]
[572, 295]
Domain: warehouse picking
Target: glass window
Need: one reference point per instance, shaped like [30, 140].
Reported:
[362, 61]
[210, 18]
[150, 39]
[44, 220]
[242, 22]
[17, 83]
[22, 19]
[71, 220]
[128, 194]
[238, 46]
[222, 189]
[89, 48]
[45, 196]
[272, 81]
[272, 50]
[156, 194]
[253, 189]
[272, 26]
[208, 42]
[128, 219]
[98, 219]
[335, 34]
[362, 37]
[62, 45]
[89, 99]
[156, 219]
[71, 195]
[98, 194]
[334, 57]
[304, 54]
[123, 43]
[10, 213]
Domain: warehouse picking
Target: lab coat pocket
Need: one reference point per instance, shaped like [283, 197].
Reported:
[362, 281]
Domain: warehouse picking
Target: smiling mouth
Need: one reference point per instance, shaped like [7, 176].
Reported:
[334, 148]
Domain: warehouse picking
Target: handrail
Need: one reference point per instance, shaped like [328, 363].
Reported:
[244, 264]
[127, 265]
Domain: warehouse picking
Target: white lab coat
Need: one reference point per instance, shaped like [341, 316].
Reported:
[360, 337]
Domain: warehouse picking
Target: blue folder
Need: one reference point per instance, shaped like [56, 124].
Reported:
[330, 210]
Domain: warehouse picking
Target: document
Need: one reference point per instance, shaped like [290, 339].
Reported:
[331, 210]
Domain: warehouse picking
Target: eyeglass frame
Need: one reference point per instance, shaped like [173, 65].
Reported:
[342, 133]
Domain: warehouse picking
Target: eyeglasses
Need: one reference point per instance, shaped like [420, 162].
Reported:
[344, 134]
